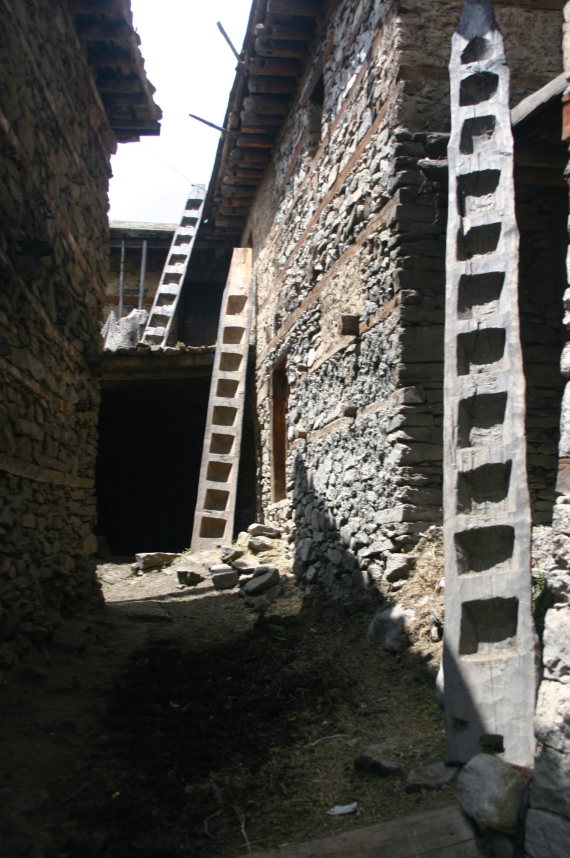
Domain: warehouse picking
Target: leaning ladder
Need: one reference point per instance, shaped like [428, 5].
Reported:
[489, 636]
[167, 295]
[217, 488]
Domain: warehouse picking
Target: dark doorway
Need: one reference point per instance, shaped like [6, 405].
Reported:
[280, 396]
[151, 434]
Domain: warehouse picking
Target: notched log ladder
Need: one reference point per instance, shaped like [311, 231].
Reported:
[489, 637]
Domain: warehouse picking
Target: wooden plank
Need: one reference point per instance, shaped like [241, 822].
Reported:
[442, 833]
[285, 32]
[275, 48]
[304, 8]
[264, 105]
[119, 32]
[536, 101]
[256, 141]
[249, 157]
[257, 83]
[275, 68]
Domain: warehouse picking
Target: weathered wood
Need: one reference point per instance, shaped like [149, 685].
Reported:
[265, 105]
[285, 32]
[123, 85]
[489, 636]
[256, 141]
[275, 68]
[526, 108]
[256, 123]
[247, 157]
[272, 84]
[441, 833]
[109, 57]
[275, 48]
[119, 32]
[304, 8]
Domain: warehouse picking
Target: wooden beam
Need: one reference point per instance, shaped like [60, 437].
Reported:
[274, 48]
[122, 85]
[285, 32]
[104, 57]
[119, 32]
[530, 105]
[303, 8]
[547, 5]
[236, 223]
[266, 106]
[275, 68]
[255, 123]
[256, 141]
[249, 156]
[257, 84]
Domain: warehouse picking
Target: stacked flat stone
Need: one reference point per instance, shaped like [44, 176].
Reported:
[489, 634]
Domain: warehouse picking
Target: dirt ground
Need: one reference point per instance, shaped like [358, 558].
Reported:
[176, 722]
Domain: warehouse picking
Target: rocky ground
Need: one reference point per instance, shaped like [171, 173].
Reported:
[185, 720]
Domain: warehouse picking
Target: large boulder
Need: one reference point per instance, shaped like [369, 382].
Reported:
[490, 791]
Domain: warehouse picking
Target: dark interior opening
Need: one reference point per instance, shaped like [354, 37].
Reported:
[542, 213]
[151, 434]
[280, 396]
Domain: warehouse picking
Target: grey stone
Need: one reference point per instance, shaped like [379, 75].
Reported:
[225, 579]
[434, 776]
[220, 567]
[376, 549]
[490, 791]
[230, 553]
[246, 565]
[189, 577]
[153, 560]
[550, 782]
[264, 569]
[260, 543]
[556, 641]
[258, 603]
[377, 760]
[260, 583]
[547, 835]
[388, 628]
[552, 716]
[399, 566]
[500, 845]
[257, 529]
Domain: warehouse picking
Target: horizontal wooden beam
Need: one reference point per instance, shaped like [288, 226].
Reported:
[256, 141]
[249, 156]
[258, 84]
[274, 48]
[266, 105]
[303, 8]
[285, 32]
[256, 123]
[122, 85]
[275, 68]
[104, 57]
[107, 32]
[229, 222]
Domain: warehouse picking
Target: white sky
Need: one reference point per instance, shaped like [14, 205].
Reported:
[192, 68]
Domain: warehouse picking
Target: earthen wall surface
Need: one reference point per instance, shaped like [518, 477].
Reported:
[54, 167]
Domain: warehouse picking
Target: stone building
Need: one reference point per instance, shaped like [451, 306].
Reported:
[73, 84]
[334, 172]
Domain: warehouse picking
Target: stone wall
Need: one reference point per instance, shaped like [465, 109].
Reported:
[349, 242]
[548, 818]
[54, 167]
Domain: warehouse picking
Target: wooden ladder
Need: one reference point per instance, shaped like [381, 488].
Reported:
[217, 488]
[159, 323]
[489, 642]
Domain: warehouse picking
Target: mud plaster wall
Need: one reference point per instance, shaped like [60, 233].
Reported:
[358, 228]
[54, 168]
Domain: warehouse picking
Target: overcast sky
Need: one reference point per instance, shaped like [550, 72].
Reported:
[192, 68]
